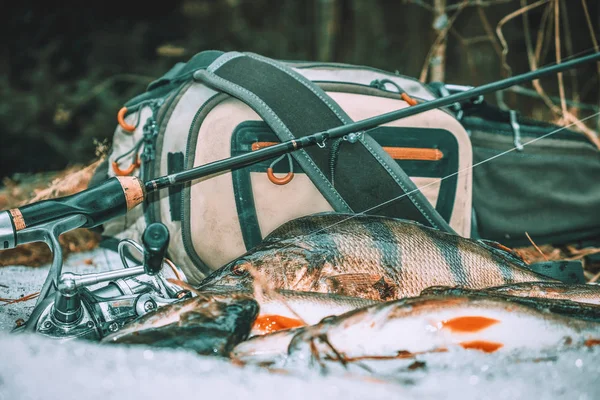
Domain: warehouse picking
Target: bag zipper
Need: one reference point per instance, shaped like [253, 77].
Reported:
[377, 86]
[187, 241]
[310, 65]
[151, 130]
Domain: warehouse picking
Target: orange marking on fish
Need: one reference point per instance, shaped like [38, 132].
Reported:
[273, 323]
[469, 324]
[487, 347]
[592, 342]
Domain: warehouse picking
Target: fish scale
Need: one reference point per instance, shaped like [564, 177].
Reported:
[372, 257]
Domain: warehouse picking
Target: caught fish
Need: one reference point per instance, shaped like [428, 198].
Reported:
[426, 324]
[209, 325]
[561, 302]
[581, 293]
[266, 350]
[371, 257]
[286, 309]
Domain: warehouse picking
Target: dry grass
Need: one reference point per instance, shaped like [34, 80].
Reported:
[550, 35]
[569, 252]
[41, 187]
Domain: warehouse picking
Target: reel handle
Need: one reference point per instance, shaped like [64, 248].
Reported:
[155, 241]
[70, 282]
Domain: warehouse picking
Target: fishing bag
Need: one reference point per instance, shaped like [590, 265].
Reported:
[530, 177]
[220, 105]
[548, 188]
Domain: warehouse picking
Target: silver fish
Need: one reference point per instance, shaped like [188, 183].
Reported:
[425, 324]
[286, 309]
[581, 293]
[209, 325]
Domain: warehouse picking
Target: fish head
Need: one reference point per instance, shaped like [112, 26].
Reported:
[233, 276]
[227, 312]
[210, 324]
[278, 265]
[266, 350]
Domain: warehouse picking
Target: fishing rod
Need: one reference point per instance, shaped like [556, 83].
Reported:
[67, 307]
[118, 195]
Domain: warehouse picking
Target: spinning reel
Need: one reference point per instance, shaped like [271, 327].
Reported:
[91, 306]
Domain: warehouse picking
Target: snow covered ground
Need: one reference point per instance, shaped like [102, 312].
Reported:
[33, 367]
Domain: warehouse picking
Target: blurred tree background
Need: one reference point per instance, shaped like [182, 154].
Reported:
[66, 69]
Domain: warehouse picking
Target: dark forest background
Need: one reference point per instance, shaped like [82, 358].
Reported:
[67, 68]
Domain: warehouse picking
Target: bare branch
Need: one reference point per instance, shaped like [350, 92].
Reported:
[440, 39]
[590, 27]
[561, 84]
[570, 53]
[504, 21]
[419, 3]
[438, 64]
[475, 39]
[545, 26]
[478, 3]
[533, 60]
[595, 43]
[464, 44]
[488, 30]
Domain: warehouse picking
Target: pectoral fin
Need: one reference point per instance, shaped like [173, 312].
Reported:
[370, 286]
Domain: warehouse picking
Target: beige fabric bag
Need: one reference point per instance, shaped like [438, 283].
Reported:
[217, 219]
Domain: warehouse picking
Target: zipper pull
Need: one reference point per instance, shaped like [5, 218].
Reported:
[150, 131]
[516, 130]
[377, 84]
[149, 152]
[380, 84]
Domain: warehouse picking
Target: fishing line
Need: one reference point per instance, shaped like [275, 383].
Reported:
[472, 166]
[563, 59]
[449, 176]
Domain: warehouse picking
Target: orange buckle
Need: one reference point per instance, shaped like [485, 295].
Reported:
[121, 118]
[124, 172]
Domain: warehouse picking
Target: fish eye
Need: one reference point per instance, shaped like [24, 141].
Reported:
[239, 269]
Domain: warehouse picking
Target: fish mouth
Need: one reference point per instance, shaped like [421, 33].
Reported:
[224, 282]
[215, 278]
[212, 277]
[264, 348]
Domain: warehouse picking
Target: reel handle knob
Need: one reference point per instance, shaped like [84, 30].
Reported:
[155, 241]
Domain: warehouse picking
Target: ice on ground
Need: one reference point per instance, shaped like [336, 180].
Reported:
[33, 367]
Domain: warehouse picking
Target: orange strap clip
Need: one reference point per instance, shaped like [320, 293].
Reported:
[121, 118]
[408, 99]
[286, 179]
[125, 172]
[279, 181]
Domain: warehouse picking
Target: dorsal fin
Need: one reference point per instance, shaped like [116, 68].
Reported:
[306, 225]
